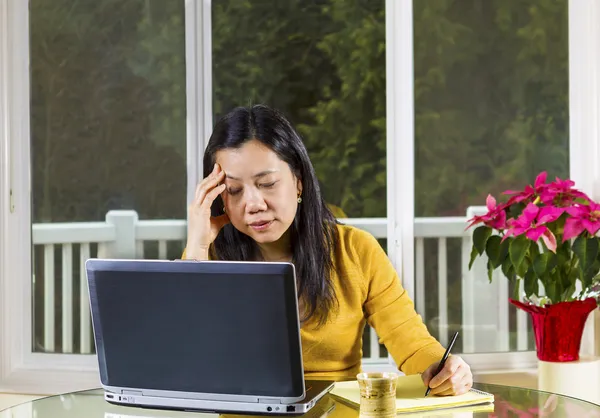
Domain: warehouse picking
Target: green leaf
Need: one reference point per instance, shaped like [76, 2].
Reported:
[590, 273]
[474, 255]
[480, 237]
[531, 283]
[565, 280]
[552, 263]
[563, 253]
[496, 250]
[490, 269]
[534, 249]
[568, 292]
[516, 294]
[541, 263]
[551, 290]
[523, 268]
[507, 269]
[517, 250]
[586, 250]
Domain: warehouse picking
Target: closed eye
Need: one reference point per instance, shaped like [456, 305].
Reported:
[268, 185]
[233, 191]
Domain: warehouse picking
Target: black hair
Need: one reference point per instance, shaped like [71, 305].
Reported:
[313, 232]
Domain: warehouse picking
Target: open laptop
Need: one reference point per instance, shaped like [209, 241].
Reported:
[211, 336]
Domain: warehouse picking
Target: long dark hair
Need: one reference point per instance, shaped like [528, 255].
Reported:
[313, 232]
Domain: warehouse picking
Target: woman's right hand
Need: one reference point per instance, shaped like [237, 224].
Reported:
[202, 227]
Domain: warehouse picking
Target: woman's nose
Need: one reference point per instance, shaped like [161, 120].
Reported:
[255, 202]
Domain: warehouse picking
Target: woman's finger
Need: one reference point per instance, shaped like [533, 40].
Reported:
[211, 196]
[207, 185]
[450, 368]
[457, 384]
[214, 171]
[452, 382]
[458, 390]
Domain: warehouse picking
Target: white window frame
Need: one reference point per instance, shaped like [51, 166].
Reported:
[43, 373]
[198, 55]
[26, 372]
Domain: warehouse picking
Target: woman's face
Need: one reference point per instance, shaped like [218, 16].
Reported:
[261, 195]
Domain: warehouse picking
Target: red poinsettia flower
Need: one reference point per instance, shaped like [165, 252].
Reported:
[561, 193]
[583, 217]
[529, 193]
[494, 218]
[532, 223]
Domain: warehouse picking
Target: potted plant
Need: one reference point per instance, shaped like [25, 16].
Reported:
[544, 239]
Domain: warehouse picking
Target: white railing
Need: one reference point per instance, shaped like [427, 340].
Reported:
[484, 306]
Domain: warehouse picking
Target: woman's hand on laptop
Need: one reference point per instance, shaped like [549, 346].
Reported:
[202, 227]
[454, 379]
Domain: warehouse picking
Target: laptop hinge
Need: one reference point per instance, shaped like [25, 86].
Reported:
[269, 400]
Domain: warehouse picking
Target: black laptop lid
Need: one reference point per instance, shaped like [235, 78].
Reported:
[214, 327]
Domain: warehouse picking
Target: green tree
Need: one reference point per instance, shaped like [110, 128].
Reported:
[323, 64]
[491, 99]
[107, 109]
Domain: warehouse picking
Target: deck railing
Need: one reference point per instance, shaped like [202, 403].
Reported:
[442, 248]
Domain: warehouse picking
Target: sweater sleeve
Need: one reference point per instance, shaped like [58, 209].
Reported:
[390, 311]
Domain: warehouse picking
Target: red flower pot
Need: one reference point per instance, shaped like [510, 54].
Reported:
[558, 327]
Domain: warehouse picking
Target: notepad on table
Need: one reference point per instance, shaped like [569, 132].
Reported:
[409, 396]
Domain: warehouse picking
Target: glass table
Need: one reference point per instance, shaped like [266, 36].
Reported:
[509, 402]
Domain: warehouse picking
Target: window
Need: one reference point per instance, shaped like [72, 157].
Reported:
[107, 133]
[323, 65]
[114, 88]
[491, 112]
[99, 161]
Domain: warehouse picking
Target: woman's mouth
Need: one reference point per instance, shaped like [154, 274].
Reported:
[260, 225]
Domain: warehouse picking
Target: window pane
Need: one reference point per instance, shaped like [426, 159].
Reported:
[491, 112]
[107, 133]
[322, 63]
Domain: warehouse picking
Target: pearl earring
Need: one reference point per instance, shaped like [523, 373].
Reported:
[299, 199]
[224, 210]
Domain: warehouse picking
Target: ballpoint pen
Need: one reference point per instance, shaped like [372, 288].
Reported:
[443, 361]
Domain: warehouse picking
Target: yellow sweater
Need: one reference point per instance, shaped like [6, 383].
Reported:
[367, 289]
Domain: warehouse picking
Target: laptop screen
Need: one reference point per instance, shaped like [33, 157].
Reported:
[227, 328]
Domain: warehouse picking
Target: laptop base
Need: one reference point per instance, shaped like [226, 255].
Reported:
[315, 391]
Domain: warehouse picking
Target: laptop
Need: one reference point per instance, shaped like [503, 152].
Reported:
[212, 336]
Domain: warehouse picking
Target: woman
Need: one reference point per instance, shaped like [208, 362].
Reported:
[260, 200]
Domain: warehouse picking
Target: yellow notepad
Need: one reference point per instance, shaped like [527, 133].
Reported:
[345, 408]
[409, 396]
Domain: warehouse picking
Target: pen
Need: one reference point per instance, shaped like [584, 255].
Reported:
[443, 361]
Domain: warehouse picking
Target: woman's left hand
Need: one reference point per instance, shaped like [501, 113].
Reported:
[454, 379]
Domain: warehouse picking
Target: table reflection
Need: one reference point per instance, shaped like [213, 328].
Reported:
[509, 402]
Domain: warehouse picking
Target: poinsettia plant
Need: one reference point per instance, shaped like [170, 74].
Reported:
[544, 236]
